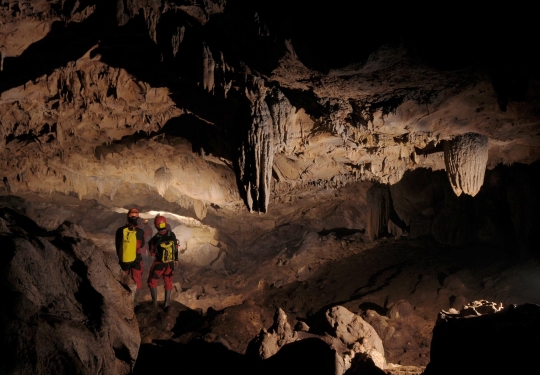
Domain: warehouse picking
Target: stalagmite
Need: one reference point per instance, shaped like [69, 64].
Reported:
[466, 158]
[378, 202]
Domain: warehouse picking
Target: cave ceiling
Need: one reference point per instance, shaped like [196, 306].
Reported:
[242, 105]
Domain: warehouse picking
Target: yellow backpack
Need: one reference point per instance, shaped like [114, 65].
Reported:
[166, 246]
[129, 245]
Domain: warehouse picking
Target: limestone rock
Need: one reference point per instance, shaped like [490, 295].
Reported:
[257, 152]
[68, 308]
[401, 309]
[502, 341]
[269, 342]
[466, 158]
[475, 308]
[356, 333]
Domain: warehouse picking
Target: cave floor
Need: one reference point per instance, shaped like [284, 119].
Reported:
[345, 268]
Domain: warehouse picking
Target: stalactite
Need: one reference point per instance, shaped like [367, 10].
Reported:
[200, 209]
[282, 113]
[378, 203]
[177, 39]
[466, 158]
[151, 18]
[257, 154]
[208, 66]
[163, 178]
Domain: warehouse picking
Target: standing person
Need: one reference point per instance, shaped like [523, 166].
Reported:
[164, 247]
[129, 242]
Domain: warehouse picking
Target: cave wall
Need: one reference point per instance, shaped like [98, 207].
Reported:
[502, 213]
[212, 108]
[256, 99]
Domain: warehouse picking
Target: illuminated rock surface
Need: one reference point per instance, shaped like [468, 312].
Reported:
[306, 156]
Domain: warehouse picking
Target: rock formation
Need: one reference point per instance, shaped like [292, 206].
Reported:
[221, 75]
[379, 204]
[466, 158]
[489, 340]
[357, 335]
[307, 156]
[346, 334]
[268, 342]
[67, 306]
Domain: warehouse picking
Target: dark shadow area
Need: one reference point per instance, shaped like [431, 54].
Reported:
[516, 324]
[341, 232]
[495, 36]
[189, 321]
[90, 299]
[64, 43]
[129, 47]
[242, 35]
[195, 358]
[327, 37]
[363, 365]
[431, 148]
[306, 100]
[205, 138]
[503, 212]
[509, 85]
[309, 356]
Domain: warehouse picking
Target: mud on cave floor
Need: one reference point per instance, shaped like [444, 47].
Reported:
[368, 278]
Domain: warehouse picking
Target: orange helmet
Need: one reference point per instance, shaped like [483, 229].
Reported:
[160, 222]
[133, 216]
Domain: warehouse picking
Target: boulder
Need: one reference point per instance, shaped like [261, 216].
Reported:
[269, 342]
[484, 338]
[67, 306]
[356, 334]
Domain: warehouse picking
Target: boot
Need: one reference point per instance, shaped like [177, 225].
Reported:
[136, 298]
[153, 293]
[167, 299]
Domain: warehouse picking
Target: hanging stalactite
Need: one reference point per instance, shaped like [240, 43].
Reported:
[257, 152]
[466, 158]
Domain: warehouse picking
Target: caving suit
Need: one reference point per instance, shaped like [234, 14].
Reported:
[160, 267]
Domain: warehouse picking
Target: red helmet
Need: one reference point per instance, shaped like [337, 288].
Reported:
[160, 222]
[133, 216]
[133, 213]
